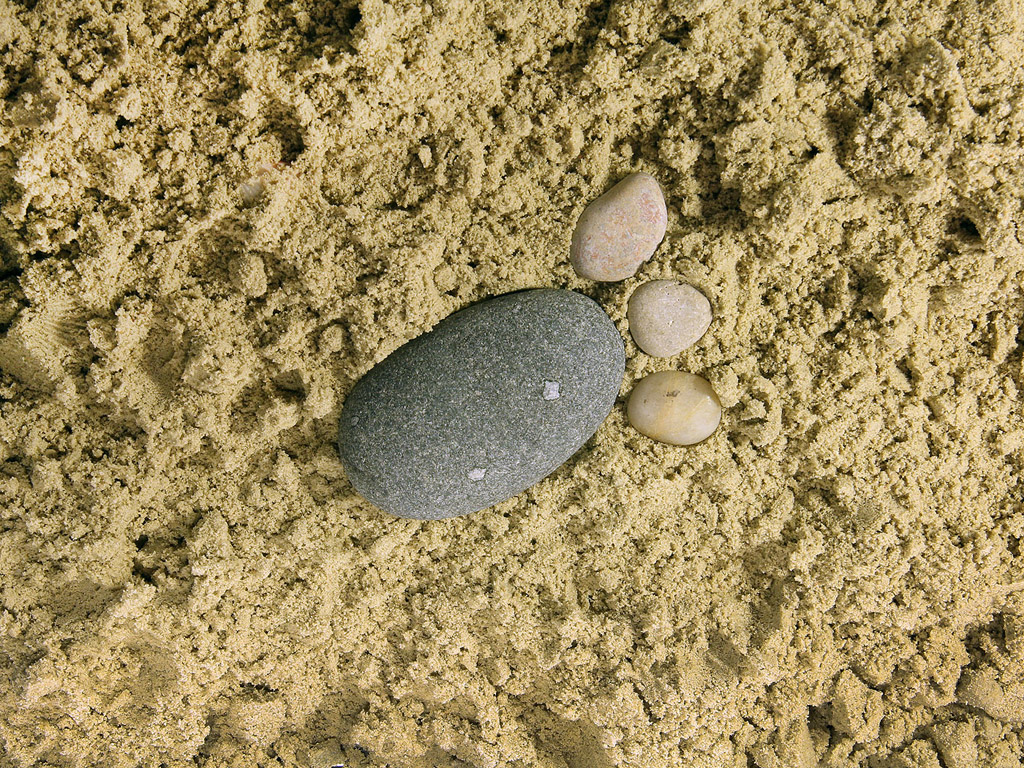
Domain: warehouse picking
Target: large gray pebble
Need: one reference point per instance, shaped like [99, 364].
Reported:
[492, 400]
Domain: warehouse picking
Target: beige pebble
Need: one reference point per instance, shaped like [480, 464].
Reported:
[665, 317]
[620, 230]
[674, 407]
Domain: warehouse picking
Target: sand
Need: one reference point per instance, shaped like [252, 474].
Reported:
[215, 217]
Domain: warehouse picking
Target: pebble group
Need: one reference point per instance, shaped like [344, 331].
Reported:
[500, 394]
[614, 236]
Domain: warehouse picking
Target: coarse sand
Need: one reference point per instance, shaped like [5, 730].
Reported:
[216, 216]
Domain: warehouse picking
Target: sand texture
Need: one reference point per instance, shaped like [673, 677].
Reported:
[216, 216]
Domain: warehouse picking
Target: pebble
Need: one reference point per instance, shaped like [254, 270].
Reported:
[620, 230]
[665, 317]
[492, 400]
[674, 407]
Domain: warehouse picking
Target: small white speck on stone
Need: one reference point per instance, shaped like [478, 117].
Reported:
[551, 390]
[477, 473]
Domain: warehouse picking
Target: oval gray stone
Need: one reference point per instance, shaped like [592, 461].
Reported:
[492, 400]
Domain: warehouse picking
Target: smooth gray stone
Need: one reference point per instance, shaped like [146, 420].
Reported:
[493, 399]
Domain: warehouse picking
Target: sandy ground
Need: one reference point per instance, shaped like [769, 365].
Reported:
[216, 216]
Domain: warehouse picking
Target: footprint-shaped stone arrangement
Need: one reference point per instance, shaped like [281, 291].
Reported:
[500, 394]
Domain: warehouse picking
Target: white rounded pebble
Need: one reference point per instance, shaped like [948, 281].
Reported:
[620, 230]
[665, 317]
[674, 407]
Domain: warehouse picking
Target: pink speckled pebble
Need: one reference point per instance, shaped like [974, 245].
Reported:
[620, 230]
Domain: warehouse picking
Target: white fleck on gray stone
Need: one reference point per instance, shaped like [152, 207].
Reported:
[620, 230]
[550, 390]
[464, 396]
[665, 317]
[477, 473]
